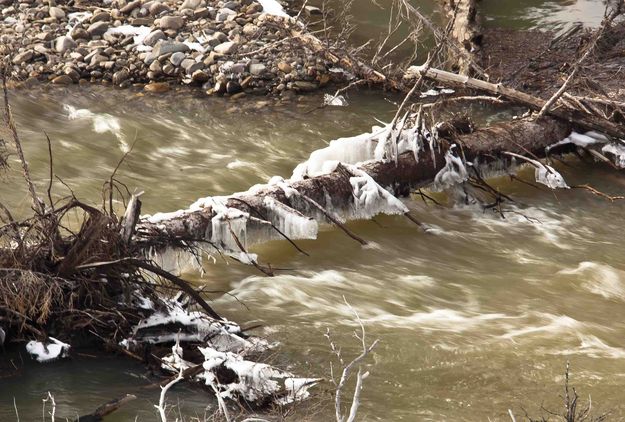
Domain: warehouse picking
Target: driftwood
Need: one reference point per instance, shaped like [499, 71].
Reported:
[467, 32]
[106, 409]
[573, 116]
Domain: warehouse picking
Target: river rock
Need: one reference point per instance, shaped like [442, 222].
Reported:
[157, 87]
[257, 69]
[236, 67]
[226, 48]
[304, 86]
[171, 22]
[155, 67]
[233, 87]
[224, 13]
[200, 77]
[169, 69]
[98, 28]
[120, 77]
[156, 8]
[45, 36]
[165, 47]
[62, 80]
[80, 34]
[191, 66]
[177, 58]
[190, 4]
[23, 57]
[63, 44]
[154, 37]
[56, 13]
[100, 16]
[130, 7]
[285, 67]
[72, 73]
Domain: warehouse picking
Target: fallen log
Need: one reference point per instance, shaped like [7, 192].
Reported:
[285, 208]
[106, 409]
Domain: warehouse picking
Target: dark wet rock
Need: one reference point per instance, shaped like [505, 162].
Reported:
[233, 87]
[120, 77]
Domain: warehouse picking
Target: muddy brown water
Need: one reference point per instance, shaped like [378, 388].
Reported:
[475, 318]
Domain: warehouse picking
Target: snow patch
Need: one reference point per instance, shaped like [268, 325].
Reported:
[139, 33]
[45, 352]
[272, 7]
[255, 381]
[335, 100]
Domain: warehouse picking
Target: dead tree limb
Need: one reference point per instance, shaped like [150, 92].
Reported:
[577, 117]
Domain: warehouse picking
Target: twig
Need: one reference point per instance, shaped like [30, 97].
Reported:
[333, 219]
[38, 205]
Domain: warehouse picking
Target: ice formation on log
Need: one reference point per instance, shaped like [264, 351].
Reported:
[617, 150]
[581, 140]
[454, 172]
[226, 351]
[372, 199]
[544, 173]
[51, 350]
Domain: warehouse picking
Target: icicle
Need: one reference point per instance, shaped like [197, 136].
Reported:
[289, 221]
[583, 141]
[544, 173]
[454, 172]
[618, 151]
[371, 198]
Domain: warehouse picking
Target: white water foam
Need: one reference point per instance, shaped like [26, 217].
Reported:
[102, 123]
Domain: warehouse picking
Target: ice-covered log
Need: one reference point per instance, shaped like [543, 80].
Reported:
[339, 191]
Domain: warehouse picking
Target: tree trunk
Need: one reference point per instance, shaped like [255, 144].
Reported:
[467, 31]
[334, 191]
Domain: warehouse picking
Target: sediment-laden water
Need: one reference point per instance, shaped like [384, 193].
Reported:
[475, 317]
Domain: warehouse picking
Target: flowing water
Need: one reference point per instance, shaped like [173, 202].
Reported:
[476, 317]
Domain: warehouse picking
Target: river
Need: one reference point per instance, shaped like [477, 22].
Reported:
[476, 317]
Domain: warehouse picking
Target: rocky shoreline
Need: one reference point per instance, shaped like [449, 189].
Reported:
[221, 47]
